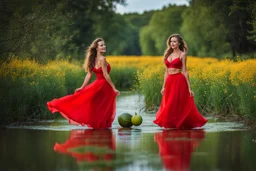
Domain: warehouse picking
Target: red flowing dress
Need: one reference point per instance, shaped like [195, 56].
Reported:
[93, 106]
[176, 147]
[86, 140]
[177, 108]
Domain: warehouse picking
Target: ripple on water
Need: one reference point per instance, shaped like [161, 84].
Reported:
[147, 126]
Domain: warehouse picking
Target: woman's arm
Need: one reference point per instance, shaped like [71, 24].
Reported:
[165, 77]
[185, 72]
[86, 80]
[104, 64]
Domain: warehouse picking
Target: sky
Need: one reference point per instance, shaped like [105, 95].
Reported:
[140, 6]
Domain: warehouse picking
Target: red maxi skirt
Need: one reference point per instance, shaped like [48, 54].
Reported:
[178, 109]
[94, 106]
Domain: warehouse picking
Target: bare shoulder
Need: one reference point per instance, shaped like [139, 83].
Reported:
[183, 55]
[103, 60]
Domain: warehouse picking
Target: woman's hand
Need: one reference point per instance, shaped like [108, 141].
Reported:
[191, 93]
[117, 92]
[162, 91]
[78, 89]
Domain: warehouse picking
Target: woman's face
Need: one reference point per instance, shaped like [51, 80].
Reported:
[101, 47]
[174, 43]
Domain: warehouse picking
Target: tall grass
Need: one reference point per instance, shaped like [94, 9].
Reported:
[26, 86]
[125, 68]
[220, 87]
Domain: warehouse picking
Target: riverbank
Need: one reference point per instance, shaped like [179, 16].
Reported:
[248, 123]
[129, 102]
[224, 87]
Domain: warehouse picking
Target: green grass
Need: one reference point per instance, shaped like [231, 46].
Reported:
[27, 86]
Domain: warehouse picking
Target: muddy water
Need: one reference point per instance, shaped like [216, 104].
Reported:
[56, 145]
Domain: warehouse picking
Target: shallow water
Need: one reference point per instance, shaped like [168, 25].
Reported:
[56, 145]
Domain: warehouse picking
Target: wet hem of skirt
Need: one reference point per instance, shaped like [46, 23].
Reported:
[181, 126]
[73, 122]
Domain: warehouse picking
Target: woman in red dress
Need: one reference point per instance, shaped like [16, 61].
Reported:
[177, 109]
[92, 105]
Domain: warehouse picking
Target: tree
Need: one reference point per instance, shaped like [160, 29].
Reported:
[250, 7]
[43, 29]
[210, 31]
[135, 22]
[204, 30]
[20, 22]
[162, 24]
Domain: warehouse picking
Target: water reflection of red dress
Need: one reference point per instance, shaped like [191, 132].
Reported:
[88, 141]
[93, 106]
[177, 146]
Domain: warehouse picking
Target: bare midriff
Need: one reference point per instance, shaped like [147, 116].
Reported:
[171, 71]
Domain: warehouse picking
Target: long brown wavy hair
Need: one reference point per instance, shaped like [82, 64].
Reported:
[91, 54]
[183, 46]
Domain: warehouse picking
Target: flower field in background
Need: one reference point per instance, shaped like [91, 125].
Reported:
[26, 86]
[220, 87]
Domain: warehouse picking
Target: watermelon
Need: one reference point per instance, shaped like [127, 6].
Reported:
[136, 119]
[124, 120]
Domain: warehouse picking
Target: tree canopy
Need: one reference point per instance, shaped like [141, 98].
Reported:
[44, 30]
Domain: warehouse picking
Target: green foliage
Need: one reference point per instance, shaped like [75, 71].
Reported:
[247, 95]
[218, 90]
[139, 20]
[27, 86]
[46, 30]
[250, 7]
[204, 30]
[43, 30]
[150, 82]
[148, 46]
[24, 28]
[154, 35]
[134, 22]
[115, 35]
[123, 78]
[210, 31]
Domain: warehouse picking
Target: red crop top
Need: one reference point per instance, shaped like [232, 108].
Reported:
[176, 63]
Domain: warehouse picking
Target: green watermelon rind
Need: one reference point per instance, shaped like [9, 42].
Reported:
[124, 120]
[138, 123]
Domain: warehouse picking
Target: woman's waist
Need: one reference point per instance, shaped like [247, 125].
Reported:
[172, 71]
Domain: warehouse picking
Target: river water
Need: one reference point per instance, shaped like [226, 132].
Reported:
[56, 145]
